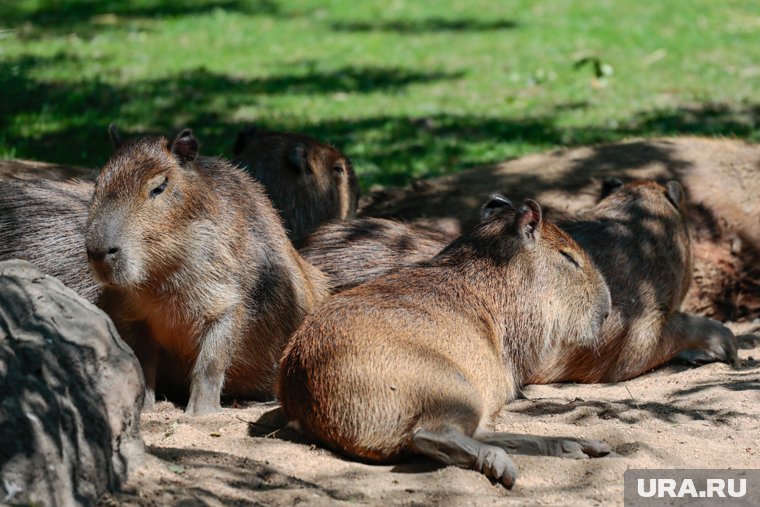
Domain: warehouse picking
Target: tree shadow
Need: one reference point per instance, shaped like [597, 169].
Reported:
[87, 17]
[417, 26]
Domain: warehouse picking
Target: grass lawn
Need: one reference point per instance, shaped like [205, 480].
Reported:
[407, 89]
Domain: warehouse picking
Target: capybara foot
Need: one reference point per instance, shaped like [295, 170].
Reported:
[453, 447]
[149, 403]
[580, 449]
[714, 342]
[546, 446]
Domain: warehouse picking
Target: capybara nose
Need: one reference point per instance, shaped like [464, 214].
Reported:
[102, 254]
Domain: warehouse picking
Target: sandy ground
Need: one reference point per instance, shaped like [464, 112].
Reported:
[678, 416]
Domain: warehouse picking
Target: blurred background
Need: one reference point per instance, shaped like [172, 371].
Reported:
[406, 89]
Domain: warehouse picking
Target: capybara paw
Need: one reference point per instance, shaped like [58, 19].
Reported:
[580, 449]
[717, 345]
[496, 464]
[196, 409]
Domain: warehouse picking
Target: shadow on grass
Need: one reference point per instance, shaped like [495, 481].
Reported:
[85, 17]
[418, 26]
[393, 149]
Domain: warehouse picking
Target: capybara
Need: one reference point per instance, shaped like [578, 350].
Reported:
[195, 264]
[309, 182]
[353, 251]
[420, 360]
[637, 234]
[55, 212]
[43, 222]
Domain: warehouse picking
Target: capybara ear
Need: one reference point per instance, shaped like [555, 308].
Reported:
[610, 186]
[528, 221]
[298, 158]
[675, 194]
[113, 133]
[496, 203]
[185, 146]
[243, 138]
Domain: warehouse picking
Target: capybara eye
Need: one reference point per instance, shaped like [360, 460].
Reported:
[159, 189]
[338, 168]
[570, 258]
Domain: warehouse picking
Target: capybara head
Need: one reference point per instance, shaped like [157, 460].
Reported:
[658, 215]
[558, 275]
[141, 204]
[309, 182]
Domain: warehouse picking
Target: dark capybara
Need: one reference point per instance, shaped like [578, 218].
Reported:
[309, 182]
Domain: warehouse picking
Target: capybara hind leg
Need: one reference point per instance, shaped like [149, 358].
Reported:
[535, 445]
[210, 367]
[453, 447]
[681, 332]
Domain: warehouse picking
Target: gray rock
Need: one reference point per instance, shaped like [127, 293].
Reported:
[71, 392]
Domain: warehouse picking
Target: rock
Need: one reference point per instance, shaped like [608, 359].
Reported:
[71, 392]
[721, 178]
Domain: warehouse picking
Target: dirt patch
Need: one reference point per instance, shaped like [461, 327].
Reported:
[721, 178]
[677, 416]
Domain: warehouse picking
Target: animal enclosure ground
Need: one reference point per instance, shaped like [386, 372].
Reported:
[407, 89]
[675, 417]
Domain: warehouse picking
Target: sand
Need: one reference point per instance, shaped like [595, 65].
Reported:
[678, 416]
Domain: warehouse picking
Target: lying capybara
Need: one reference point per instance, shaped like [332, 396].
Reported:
[32, 169]
[353, 251]
[309, 182]
[637, 234]
[37, 224]
[419, 361]
[195, 264]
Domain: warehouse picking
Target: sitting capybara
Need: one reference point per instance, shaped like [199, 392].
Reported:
[37, 213]
[309, 182]
[195, 264]
[419, 361]
[638, 236]
[43, 222]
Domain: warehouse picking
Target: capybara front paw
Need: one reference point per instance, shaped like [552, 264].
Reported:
[498, 466]
[202, 408]
[581, 449]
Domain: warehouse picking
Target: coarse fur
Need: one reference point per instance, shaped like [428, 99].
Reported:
[195, 265]
[420, 360]
[353, 251]
[37, 225]
[637, 234]
[309, 182]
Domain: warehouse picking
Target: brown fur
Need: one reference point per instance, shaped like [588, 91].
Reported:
[309, 182]
[443, 344]
[195, 262]
[351, 252]
[640, 241]
[639, 238]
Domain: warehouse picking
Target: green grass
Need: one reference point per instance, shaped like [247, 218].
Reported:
[407, 89]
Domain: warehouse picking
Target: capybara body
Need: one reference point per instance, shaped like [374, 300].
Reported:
[353, 251]
[309, 182]
[195, 265]
[43, 222]
[637, 234]
[420, 360]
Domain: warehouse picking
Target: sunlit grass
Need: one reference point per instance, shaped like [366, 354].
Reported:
[407, 89]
